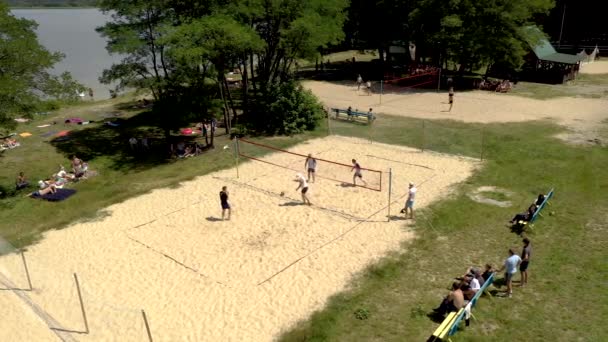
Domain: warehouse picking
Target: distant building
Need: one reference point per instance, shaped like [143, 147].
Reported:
[544, 64]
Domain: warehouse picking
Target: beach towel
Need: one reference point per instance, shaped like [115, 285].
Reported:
[187, 131]
[48, 134]
[22, 120]
[74, 120]
[25, 134]
[42, 126]
[112, 124]
[63, 133]
[59, 195]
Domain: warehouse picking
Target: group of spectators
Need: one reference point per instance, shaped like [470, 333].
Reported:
[498, 86]
[185, 150]
[79, 170]
[473, 280]
[464, 289]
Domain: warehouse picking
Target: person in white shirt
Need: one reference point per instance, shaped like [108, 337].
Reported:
[409, 203]
[304, 186]
[311, 167]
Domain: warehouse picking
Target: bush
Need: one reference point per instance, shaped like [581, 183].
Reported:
[287, 109]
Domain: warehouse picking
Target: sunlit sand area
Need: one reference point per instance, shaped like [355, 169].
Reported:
[202, 279]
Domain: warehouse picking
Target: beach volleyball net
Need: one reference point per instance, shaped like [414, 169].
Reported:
[339, 172]
[421, 79]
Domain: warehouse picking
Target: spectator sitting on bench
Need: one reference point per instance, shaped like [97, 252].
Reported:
[488, 272]
[527, 216]
[454, 301]
[475, 279]
[540, 200]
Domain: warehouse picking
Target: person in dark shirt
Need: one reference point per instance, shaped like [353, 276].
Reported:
[224, 202]
[525, 261]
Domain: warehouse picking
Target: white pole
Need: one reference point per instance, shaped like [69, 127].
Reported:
[390, 189]
[236, 155]
[381, 90]
[329, 121]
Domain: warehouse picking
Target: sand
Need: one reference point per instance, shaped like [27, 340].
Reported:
[597, 67]
[248, 279]
[584, 117]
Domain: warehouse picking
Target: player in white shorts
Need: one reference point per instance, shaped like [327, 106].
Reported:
[303, 184]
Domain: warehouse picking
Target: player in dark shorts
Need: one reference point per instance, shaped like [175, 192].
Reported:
[224, 202]
[525, 261]
[357, 173]
[303, 184]
[311, 166]
[451, 98]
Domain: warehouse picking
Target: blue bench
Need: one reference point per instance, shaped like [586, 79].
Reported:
[353, 114]
[538, 210]
[451, 323]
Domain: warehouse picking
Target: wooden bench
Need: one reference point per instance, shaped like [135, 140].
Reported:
[353, 114]
[449, 326]
[538, 210]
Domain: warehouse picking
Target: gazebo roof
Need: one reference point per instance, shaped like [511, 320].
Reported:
[545, 51]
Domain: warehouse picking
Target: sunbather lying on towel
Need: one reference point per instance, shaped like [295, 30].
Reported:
[51, 189]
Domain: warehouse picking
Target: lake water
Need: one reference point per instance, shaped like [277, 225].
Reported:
[72, 32]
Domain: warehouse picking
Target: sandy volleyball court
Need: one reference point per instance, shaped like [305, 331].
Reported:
[584, 116]
[202, 279]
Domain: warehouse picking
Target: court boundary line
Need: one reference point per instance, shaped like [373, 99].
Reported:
[335, 238]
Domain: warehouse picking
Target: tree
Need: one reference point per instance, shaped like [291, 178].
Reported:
[25, 81]
[480, 32]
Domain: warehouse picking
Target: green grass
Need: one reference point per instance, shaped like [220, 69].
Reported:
[566, 298]
[497, 196]
[585, 85]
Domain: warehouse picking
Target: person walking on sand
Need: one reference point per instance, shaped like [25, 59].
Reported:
[304, 186]
[525, 262]
[409, 203]
[368, 85]
[451, 98]
[510, 268]
[357, 168]
[224, 202]
[359, 82]
[311, 167]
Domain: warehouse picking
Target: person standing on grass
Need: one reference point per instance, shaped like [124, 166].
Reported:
[359, 82]
[304, 186]
[224, 202]
[409, 203]
[510, 268]
[311, 167]
[451, 98]
[357, 168]
[525, 256]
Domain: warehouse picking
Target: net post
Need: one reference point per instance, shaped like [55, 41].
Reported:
[84, 314]
[439, 78]
[27, 272]
[381, 90]
[143, 313]
[423, 133]
[482, 143]
[329, 121]
[236, 155]
[390, 189]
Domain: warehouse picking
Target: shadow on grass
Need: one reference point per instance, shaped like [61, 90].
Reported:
[102, 140]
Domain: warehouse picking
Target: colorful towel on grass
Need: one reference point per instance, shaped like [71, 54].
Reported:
[48, 134]
[42, 126]
[59, 195]
[25, 134]
[74, 120]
